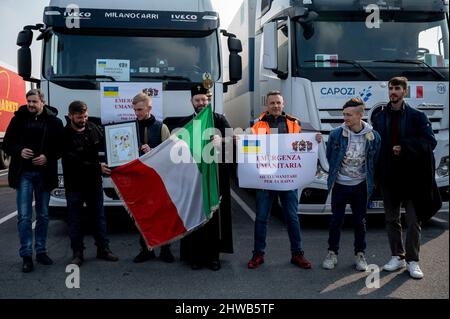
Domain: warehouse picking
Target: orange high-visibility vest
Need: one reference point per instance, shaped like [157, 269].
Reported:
[262, 126]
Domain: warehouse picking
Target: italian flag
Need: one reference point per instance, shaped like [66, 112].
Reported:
[434, 60]
[415, 92]
[326, 60]
[173, 189]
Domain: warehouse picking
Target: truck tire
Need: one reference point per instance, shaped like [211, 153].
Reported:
[4, 160]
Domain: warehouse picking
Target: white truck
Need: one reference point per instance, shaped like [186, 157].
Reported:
[173, 42]
[320, 53]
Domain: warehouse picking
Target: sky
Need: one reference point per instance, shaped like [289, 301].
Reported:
[14, 14]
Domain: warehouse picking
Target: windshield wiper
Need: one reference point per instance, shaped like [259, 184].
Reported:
[85, 76]
[352, 62]
[417, 62]
[162, 77]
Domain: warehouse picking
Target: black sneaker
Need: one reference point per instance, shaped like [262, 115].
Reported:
[106, 254]
[214, 265]
[27, 265]
[144, 255]
[44, 259]
[166, 255]
[78, 258]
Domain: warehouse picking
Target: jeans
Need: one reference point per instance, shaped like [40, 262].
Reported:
[32, 181]
[289, 203]
[92, 215]
[356, 196]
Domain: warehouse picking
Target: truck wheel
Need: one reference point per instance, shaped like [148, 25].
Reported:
[4, 160]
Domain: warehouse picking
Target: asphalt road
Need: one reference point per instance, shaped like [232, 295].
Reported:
[275, 279]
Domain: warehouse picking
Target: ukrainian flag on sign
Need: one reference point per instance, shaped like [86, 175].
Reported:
[252, 146]
[102, 64]
[109, 91]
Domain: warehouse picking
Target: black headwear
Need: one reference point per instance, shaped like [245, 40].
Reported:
[198, 89]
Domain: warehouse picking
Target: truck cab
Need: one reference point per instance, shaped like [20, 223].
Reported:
[170, 42]
[320, 53]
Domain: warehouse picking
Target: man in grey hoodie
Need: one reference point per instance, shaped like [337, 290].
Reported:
[352, 150]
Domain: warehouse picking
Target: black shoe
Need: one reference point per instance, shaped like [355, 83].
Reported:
[77, 258]
[196, 266]
[166, 254]
[27, 265]
[144, 255]
[106, 254]
[44, 259]
[214, 265]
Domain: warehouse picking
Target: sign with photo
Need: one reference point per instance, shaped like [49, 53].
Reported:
[122, 143]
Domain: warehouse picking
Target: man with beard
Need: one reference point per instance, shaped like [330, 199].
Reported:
[83, 182]
[406, 136]
[33, 141]
[203, 246]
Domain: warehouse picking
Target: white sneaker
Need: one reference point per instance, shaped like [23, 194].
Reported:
[330, 261]
[394, 264]
[414, 270]
[360, 262]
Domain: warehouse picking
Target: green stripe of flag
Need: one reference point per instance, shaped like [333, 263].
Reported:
[197, 144]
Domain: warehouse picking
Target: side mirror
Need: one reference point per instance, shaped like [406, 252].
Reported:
[235, 63]
[235, 60]
[270, 53]
[24, 38]
[24, 62]
[234, 45]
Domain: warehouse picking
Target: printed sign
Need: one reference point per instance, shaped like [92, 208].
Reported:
[277, 161]
[118, 69]
[116, 100]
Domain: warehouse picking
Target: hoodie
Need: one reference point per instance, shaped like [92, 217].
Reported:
[353, 167]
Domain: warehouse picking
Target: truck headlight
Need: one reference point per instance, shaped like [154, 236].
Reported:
[320, 173]
[442, 169]
[59, 193]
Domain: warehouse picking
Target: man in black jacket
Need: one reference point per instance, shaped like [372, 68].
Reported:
[400, 125]
[33, 141]
[203, 246]
[83, 182]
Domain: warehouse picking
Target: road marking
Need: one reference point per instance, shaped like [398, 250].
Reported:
[3, 172]
[243, 205]
[12, 215]
[8, 217]
[439, 220]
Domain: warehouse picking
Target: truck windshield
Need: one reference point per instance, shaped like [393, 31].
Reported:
[400, 36]
[131, 57]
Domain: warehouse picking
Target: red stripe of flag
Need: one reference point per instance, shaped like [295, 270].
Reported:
[149, 202]
[333, 58]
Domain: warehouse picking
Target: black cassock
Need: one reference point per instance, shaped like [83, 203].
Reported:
[204, 244]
